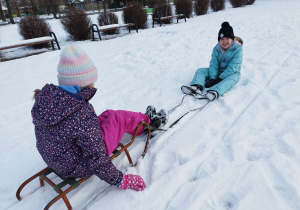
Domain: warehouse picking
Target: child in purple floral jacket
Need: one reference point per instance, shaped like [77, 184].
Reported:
[71, 138]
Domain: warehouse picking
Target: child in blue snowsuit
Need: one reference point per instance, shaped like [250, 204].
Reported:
[224, 69]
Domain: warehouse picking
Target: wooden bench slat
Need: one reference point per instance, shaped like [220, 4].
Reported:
[170, 17]
[115, 27]
[27, 42]
[158, 19]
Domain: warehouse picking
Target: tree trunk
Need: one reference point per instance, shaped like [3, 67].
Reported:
[16, 6]
[53, 8]
[48, 9]
[104, 7]
[1, 13]
[98, 6]
[33, 8]
[9, 12]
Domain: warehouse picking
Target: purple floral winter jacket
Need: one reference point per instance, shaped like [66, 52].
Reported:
[68, 136]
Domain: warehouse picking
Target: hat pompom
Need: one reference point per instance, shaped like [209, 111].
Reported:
[226, 31]
[225, 25]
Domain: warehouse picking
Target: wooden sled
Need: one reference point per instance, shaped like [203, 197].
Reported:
[72, 182]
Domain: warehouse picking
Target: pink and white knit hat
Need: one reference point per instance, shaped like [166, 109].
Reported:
[76, 68]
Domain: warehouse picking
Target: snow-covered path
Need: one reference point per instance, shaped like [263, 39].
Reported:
[240, 152]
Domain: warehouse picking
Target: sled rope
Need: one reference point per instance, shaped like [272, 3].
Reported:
[154, 128]
[199, 109]
[177, 105]
[174, 123]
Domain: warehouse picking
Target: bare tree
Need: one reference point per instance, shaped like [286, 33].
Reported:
[16, 4]
[45, 6]
[98, 6]
[42, 6]
[104, 7]
[9, 11]
[2, 13]
[33, 6]
[54, 7]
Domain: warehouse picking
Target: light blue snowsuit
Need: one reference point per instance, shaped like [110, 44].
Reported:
[225, 65]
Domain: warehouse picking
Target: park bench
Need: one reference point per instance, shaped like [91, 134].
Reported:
[96, 29]
[157, 17]
[33, 41]
[73, 183]
[3, 23]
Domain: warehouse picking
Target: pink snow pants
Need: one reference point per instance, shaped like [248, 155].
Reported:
[115, 123]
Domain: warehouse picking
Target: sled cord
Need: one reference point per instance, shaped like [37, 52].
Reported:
[199, 109]
[174, 123]
[177, 105]
[154, 128]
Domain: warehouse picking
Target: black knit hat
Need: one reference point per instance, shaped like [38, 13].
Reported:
[226, 31]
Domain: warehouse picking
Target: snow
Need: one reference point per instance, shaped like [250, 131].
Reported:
[239, 152]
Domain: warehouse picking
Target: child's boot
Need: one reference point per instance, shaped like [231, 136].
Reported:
[156, 119]
[194, 89]
[210, 96]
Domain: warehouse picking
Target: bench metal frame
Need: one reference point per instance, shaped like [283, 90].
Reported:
[131, 23]
[55, 39]
[35, 42]
[72, 182]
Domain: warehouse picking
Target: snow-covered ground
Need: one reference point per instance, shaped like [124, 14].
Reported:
[240, 152]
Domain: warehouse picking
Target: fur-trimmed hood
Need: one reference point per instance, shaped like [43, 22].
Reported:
[53, 105]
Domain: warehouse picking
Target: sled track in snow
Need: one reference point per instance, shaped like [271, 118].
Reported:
[259, 93]
[94, 198]
[174, 131]
[223, 138]
[189, 117]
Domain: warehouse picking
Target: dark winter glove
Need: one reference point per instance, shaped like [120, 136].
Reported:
[212, 82]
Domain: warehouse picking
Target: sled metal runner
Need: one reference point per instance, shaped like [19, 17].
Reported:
[72, 182]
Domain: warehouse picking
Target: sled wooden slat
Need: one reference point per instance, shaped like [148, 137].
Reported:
[73, 182]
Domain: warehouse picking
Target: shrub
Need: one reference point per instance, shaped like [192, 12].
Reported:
[34, 27]
[217, 5]
[135, 10]
[108, 19]
[238, 3]
[164, 9]
[77, 24]
[201, 7]
[151, 3]
[185, 5]
[155, 3]
[249, 2]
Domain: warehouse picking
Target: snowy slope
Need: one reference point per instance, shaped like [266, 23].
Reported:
[240, 152]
